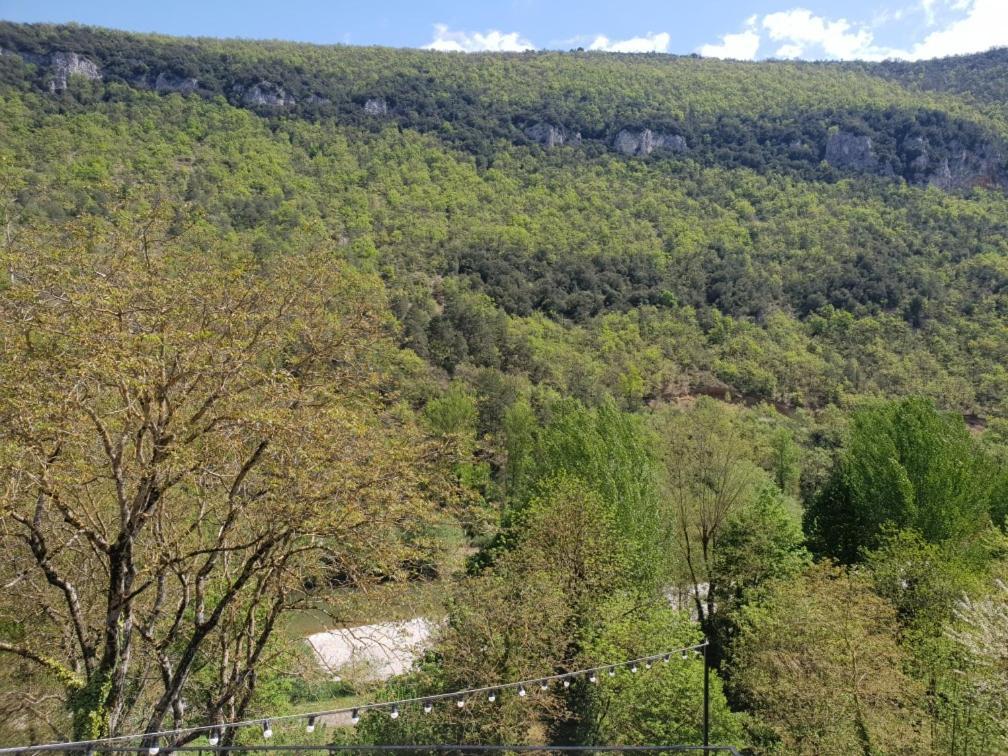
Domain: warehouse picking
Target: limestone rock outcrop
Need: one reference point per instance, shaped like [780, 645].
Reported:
[264, 94]
[67, 64]
[551, 135]
[850, 151]
[646, 141]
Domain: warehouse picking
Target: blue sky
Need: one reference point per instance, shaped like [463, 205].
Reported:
[809, 29]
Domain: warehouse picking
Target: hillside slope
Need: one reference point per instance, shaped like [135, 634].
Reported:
[636, 226]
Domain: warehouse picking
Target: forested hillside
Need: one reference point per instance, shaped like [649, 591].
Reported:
[596, 329]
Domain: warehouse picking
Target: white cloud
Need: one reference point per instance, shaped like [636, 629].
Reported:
[448, 40]
[740, 46]
[648, 43]
[977, 25]
[984, 26]
[803, 33]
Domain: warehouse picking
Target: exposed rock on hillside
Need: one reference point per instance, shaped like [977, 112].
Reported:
[376, 106]
[67, 64]
[956, 167]
[168, 83]
[264, 94]
[965, 170]
[850, 151]
[645, 142]
[551, 135]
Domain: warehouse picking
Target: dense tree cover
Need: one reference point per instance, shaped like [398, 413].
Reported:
[817, 660]
[664, 393]
[654, 279]
[979, 77]
[904, 466]
[474, 101]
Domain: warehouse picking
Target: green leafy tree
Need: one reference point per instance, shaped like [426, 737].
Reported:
[926, 583]
[817, 662]
[662, 705]
[761, 542]
[904, 465]
[528, 614]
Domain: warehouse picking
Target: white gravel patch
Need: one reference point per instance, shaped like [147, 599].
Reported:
[372, 652]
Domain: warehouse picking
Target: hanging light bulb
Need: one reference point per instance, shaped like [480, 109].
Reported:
[492, 696]
[214, 737]
[394, 713]
[612, 671]
[310, 727]
[428, 706]
[267, 730]
[154, 750]
[593, 677]
[460, 702]
[566, 682]
[685, 654]
[666, 658]
[633, 667]
[647, 664]
[521, 691]
[355, 716]
[544, 685]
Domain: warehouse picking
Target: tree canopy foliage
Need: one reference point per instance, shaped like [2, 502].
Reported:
[904, 466]
[290, 331]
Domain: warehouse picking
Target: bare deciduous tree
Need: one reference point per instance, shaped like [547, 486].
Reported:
[189, 439]
[708, 476]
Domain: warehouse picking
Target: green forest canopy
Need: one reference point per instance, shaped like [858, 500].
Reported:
[845, 318]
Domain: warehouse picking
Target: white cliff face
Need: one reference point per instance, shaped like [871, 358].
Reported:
[67, 64]
[646, 141]
[550, 135]
[265, 94]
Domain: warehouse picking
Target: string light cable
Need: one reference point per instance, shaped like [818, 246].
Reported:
[214, 732]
